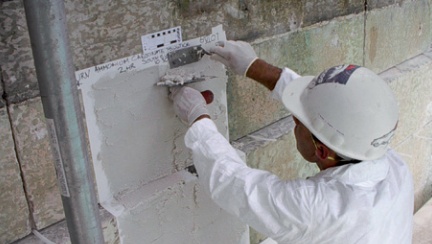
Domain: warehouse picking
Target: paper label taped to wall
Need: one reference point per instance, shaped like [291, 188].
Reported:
[161, 39]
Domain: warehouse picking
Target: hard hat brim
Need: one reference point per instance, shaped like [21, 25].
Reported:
[291, 97]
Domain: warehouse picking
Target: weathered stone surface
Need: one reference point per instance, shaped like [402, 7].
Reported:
[14, 212]
[101, 31]
[413, 95]
[372, 4]
[104, 31]
[16, 59]
[37, 164]
[249, 20]
[417, 151]
[249, 105]
[413, 139]
[396, 33]
[422, 223]
[2, 101]
[58, 233]
[428, 52]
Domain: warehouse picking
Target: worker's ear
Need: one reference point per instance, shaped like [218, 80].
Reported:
[325, 156]
[322, 151]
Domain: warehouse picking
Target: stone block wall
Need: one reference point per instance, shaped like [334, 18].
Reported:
[32, 146]
[411, 81]
[14, 210]
[391, 37]
[395, 33]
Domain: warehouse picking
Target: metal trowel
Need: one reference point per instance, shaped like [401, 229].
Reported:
[182, 57]
[180, 80]
[185, 56]
[179, 58]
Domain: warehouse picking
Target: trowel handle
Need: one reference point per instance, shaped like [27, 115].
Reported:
[208, 96]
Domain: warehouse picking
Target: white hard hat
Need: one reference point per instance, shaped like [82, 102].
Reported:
[348, 108]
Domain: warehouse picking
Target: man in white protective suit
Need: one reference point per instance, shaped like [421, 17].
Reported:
[345, 118]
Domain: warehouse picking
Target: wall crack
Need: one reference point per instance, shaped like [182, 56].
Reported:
[5, 99]
[364, 31]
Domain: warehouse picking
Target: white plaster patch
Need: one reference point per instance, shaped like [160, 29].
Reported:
[335, 41]
[39, 131]
[134, 134]
[293, 23]
[138, 150]
[179, 77]
[13, 79]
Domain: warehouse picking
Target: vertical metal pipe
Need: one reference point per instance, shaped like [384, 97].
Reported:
[46, 21]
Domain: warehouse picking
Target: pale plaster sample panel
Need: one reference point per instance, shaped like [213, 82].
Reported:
[174, 210]
[138, 151]
[134, 134]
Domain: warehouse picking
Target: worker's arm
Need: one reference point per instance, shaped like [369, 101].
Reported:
[257, 197]
[273, 207]
[242, 59]
[265, 73]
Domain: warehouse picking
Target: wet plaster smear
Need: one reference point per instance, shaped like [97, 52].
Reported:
[137, 144]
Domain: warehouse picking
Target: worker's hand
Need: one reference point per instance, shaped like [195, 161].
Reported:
[189, 104]
[237, 55]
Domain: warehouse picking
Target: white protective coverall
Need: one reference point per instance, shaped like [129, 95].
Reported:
[367, 202]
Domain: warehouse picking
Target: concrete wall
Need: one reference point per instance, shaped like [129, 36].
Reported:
[307, 36]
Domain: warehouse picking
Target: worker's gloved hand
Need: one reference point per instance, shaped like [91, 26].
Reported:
[189, 104]
[237, 55]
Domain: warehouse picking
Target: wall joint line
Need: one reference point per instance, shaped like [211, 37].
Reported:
[24, 185]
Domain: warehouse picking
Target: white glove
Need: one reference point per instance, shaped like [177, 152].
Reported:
[189, 104]
[237, 55]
